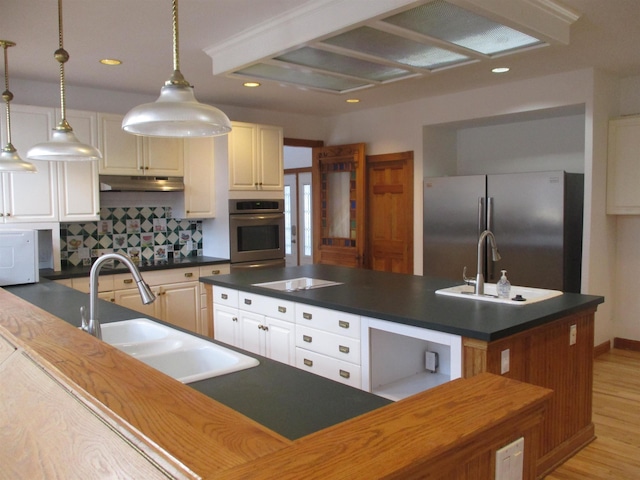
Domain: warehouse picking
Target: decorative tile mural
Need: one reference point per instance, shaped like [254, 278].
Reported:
[146, 234]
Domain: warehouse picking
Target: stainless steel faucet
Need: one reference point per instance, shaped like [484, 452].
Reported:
[478, 283]
[92, 325]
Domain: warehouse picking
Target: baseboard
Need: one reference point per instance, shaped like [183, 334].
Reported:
[601, 349]
[625, 344]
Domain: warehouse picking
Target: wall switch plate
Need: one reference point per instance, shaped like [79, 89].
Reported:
[431, 361]
[510, 461]
[573, 334]
[504, 361]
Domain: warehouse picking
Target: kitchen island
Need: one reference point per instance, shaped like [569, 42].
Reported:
[549, 343]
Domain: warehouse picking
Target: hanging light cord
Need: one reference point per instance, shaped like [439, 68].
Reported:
[7, 96]
[176, 77]
[62, 56]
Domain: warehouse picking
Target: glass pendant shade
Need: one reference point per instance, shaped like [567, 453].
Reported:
[10, 161]
[176, 113]
[64, 146]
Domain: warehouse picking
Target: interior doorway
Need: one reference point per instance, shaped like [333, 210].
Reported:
[298, 204]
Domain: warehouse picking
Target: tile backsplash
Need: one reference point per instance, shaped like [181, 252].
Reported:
[147, 234]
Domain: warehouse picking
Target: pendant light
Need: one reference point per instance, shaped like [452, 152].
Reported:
[10, 161]
[64, 146]
[176, 112]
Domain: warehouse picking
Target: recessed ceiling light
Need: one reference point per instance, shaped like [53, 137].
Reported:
[353, 100]
[110, 61]
[500, 70]
[251, 84]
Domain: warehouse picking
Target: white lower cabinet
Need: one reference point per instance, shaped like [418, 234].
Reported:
[269, 337]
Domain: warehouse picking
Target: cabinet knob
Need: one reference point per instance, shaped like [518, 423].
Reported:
[215, 272]
[247, 301]
[1, 214]
[234, 319]
[8, 214]
[224, 296]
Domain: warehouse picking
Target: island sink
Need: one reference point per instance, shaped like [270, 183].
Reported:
[184, 357]
[519, 295]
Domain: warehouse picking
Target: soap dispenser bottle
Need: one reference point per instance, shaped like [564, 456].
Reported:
[503, 286]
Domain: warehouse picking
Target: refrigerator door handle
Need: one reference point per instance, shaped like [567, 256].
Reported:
[480, 216]
[490, 264]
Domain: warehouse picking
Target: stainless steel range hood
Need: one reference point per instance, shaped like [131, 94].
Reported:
[121, 183]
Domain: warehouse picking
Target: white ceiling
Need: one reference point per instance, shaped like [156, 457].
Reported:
[606, 36]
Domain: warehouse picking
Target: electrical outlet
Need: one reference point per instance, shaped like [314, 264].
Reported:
[510, 461]
[573, 334]
[504, 362]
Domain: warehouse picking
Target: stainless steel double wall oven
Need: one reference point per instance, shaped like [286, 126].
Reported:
[256, 233]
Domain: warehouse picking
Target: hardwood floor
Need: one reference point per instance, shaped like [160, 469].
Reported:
[615, 454]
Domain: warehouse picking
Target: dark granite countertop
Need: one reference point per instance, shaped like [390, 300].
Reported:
[289, 401]
[409, 299]
[83, 271]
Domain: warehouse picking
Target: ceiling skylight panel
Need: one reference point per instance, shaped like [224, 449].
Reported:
[456, 25]
[397, 49]
[334, 62]
[305, 78]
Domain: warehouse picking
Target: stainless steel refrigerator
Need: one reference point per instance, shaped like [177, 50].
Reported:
[535, 217]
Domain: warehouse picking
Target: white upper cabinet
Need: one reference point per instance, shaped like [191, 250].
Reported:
[256, 157]
[78, 186]
[199, 189]
[127, 154]
[623, 167]
[29, 197]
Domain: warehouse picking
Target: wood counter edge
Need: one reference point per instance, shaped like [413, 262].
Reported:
[213, 440]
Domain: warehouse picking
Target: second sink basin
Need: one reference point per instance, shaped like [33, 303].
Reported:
[184, 357]
[528, 295]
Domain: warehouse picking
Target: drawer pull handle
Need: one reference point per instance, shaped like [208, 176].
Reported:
[282, 309]
[344, 374]
[188, 274]
[128, 280]
[307, 316]
[343, 349]
[247, 301]
[307, 338]
[215, 272]
[343, 324]
[224, 296]
[308, 363]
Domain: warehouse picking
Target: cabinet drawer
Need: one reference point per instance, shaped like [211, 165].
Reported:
[211, 270]
[340, 323]
[225, 296]
[343, 372]
[327, 343]
[155, 278]
[105, 283]
[268, 306]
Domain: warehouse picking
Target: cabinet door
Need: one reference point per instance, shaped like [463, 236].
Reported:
[78, 187]
[280, 342]
[242, 154]
[131, 299]
[252, 328]
[31, 197]
[163, 156]
[270, 158]
[181, 305]
[199, 191]
[227, 327]
[121, 151]
[623, 168]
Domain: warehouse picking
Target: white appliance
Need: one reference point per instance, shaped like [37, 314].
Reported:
[18, 257]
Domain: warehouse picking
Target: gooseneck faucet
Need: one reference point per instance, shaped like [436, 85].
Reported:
[478, 283]
[92, 325]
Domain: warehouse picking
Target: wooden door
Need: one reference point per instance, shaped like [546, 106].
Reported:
[390, 212]
[339, 205]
